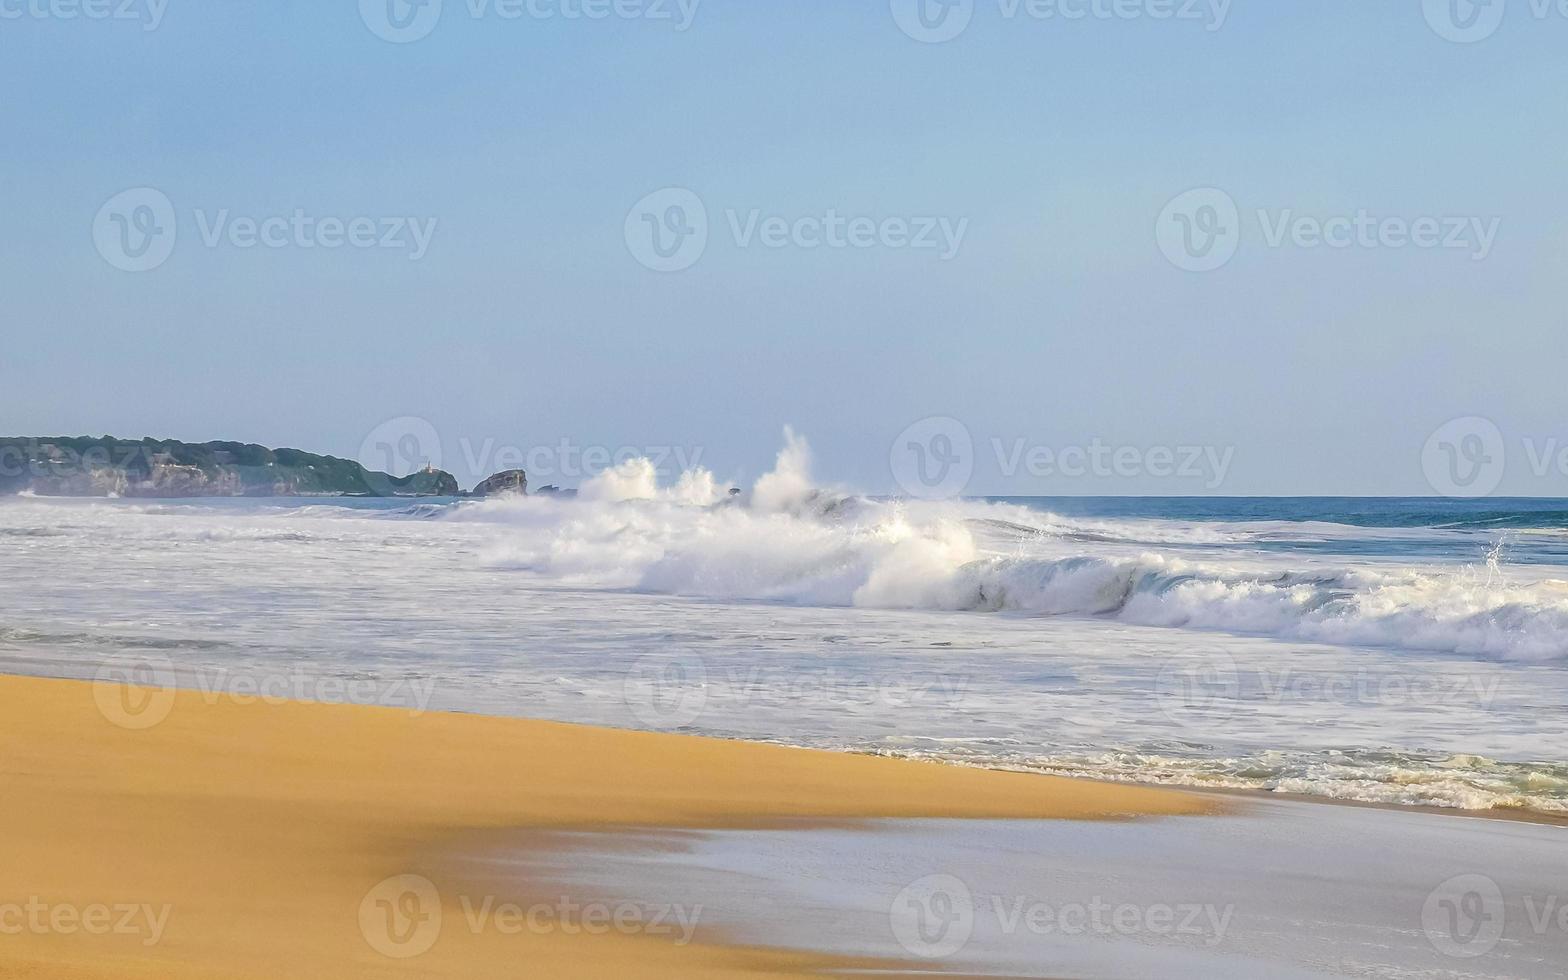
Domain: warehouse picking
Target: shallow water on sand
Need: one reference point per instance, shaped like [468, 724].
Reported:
[1281, 889]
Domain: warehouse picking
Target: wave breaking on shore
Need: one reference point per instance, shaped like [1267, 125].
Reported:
[788, 540]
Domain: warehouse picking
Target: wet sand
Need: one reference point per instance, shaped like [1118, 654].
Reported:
[159, 833]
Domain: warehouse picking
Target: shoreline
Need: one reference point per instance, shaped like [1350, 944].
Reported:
[48, 670]
[1514, 814]
[292, 838]
[1507, 814]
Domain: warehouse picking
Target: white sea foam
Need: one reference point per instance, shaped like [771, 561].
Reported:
[788, 487]
[788, 541]
[1464, 782]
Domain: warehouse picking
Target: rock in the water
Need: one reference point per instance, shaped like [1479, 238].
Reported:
[503, 484]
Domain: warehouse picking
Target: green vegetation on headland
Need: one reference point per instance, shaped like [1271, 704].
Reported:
[87, 467]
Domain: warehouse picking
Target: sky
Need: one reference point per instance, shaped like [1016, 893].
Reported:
[1060, 246]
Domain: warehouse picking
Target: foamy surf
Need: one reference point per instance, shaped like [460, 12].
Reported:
[789, 541]
[1464, 782]
[1338, 649]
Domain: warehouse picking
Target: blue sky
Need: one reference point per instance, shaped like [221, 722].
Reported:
[1057, 322]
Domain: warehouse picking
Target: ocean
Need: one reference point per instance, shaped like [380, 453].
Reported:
[1387, 650]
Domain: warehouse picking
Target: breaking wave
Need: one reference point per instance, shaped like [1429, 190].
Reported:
[787, 540]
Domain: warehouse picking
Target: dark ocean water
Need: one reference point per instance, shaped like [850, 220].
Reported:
[1519, 530]
[1432, 512]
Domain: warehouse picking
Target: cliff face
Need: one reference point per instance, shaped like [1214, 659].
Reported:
[86, 467]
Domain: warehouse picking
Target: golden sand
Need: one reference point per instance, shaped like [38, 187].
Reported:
[228, 839]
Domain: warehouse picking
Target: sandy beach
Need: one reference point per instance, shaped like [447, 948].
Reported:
[155, 833]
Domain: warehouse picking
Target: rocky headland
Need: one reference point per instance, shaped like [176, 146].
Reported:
[110, 467]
